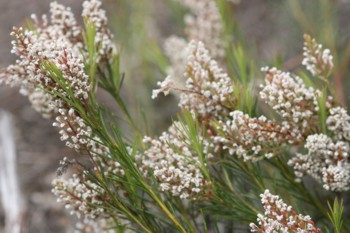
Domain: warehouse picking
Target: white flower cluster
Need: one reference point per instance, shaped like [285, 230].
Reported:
[62, 25]
[279, 217]
[16, 76]
[63, 21]
[81, 196]
[208, 89]
[43, 102]
[338, 122]
[174, 164]
[50, 69]
[58, 42]
[103, 39]
[327, 161]
[317, 60]
[290, 98]
[205, 25]
[79, 136]
[73, 129]
[38, 50]
[50, 44]
[72, 68]
[165, 86]
[252, 138]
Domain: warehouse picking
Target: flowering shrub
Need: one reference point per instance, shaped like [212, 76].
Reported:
[279, 217]
[208, 169]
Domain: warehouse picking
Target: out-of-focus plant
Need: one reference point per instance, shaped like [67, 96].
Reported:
[224, 150]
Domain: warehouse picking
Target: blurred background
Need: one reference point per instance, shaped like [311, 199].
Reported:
[272, 29]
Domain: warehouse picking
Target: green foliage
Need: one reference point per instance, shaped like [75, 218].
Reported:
[336, 214]
[89, 40]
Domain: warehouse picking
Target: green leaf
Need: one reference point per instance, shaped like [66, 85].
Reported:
[89, 40]
[336, 214]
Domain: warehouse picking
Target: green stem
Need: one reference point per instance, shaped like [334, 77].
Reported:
[301, 187]
[163, 207]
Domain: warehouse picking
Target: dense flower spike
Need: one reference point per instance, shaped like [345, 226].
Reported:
[73, 130]
[48, 46]
[279, 217]
[254, 138]
[17, 75]
[326, 161]
[338, 122]
[290, 98]
[317, 60]
[79, 136]
[14, 76]
[103, 39]
[58, 42]
[204, 24]
[80, 196]
[175, 165]
[64, 22]
[208, 89]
